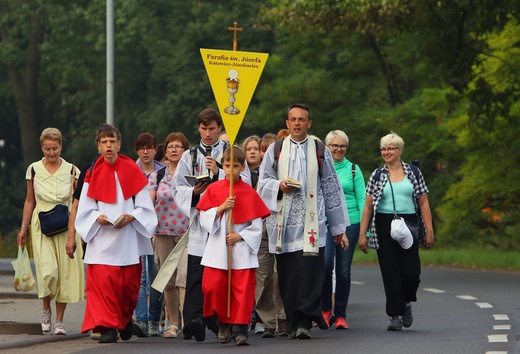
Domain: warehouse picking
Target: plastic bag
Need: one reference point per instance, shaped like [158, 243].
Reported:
[23, 276]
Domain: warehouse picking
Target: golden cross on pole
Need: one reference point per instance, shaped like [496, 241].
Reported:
[235, 29]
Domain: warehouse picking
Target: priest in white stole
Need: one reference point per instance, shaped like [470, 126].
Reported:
[297, 225]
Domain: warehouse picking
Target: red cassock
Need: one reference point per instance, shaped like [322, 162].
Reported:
[112, 293]
[214, 288]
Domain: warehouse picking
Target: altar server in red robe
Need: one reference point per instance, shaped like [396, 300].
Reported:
[248, 210]
[115, 189]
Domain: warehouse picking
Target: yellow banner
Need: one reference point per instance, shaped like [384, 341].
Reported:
[233, 76]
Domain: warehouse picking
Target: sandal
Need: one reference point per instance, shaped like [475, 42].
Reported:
[171, 332]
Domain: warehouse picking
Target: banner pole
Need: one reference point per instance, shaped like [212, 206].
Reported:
[235, 29]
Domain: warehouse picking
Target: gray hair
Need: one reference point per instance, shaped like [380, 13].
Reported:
[340, 134]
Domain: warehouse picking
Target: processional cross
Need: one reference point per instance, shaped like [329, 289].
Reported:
[235, 29]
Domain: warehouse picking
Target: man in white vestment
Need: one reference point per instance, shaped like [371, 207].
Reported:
[296, 227]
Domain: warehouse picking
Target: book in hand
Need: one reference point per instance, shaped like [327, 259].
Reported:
[293, 183]
[118, 221]
[193, 180]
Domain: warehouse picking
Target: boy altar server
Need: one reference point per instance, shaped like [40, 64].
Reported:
[248, 210]
[114, 189]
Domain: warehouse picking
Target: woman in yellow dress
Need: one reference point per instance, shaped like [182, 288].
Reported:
[59, 271]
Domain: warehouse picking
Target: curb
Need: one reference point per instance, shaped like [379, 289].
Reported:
[17, 295]
[26, 341]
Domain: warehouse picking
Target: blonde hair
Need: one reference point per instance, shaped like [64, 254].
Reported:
[51, 134]
[249, 139]
[392, 139]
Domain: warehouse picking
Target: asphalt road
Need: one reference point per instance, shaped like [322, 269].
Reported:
[458, 311]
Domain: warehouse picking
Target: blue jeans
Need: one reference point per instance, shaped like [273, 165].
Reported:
[343, 265]
[143, 310]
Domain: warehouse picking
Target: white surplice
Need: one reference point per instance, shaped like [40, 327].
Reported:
[108, 245]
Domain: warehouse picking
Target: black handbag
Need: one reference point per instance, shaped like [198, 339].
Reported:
[54, 221]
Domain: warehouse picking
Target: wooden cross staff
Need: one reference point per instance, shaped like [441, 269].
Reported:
[235, 29]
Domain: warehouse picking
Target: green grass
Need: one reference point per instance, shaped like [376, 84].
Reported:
[467, 258]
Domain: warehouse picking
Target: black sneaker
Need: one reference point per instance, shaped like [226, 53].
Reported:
[282, 327]
[186, 334]
[268, 333]
[109, 336]
[303, 333]
[395, 324]
[127, 332]
[241, 340]
[407, 318]
[140, 328]
[198, 329]
[224, 334]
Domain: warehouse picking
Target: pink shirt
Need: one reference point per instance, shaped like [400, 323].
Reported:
[171, 221]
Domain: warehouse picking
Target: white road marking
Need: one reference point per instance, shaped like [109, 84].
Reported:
[435, 291]
[496, 352]
[466, 297]
[357, 282]
[497, 338]
[501, 317]
[484, 305]
[501, 327]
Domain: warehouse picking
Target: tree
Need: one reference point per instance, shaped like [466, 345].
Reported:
[22, 33]
[489, 176]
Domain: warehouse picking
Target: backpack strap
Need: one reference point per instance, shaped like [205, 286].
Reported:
[320, 152]
[415, 171]
[160, 174]
[194, 164]
[276, 151]
[354, 178]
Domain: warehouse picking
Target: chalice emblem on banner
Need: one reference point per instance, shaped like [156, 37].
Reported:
[232, 87]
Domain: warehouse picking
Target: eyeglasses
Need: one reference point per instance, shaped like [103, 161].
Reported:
[175, 147]
[336, 146]
[146, 148]
[390, 148]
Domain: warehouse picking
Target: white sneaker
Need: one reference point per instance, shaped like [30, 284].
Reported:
[59, 328]
[259, 328]
[45, 320]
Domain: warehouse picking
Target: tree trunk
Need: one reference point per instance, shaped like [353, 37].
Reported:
[391, 84]
[24, 87]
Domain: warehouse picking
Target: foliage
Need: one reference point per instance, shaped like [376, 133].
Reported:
[472, 258]
[490, 175]
[442, 74]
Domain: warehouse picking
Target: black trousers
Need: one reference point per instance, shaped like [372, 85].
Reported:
[194, 299]
[301, 284]
[400, 268]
